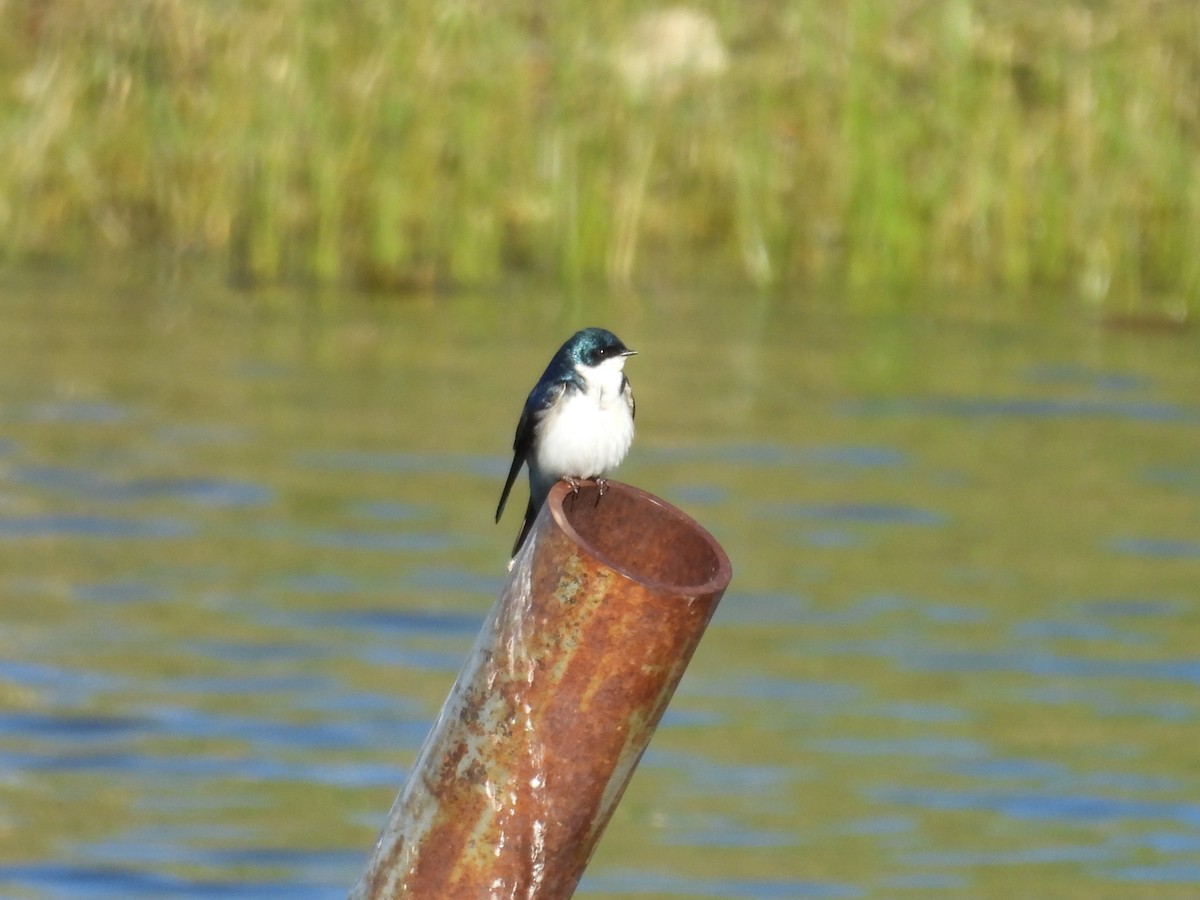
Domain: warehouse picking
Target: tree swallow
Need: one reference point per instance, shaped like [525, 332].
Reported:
[577, 422]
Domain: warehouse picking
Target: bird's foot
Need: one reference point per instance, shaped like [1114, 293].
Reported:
[601, 489]
[574, 484]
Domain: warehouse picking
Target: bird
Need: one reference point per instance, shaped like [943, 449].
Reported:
[577, 422]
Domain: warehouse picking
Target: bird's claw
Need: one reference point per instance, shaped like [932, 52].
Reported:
[575, 484]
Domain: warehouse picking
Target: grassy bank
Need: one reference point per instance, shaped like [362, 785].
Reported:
[900, 145]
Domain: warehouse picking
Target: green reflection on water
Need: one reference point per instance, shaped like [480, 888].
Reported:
[245, 545]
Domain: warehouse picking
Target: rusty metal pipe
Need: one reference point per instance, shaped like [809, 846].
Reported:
[553, 708]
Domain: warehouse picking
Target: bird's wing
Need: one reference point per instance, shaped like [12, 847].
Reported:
[541, 398]
[627, 391]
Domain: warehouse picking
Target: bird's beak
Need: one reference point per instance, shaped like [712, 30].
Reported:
[629, 353]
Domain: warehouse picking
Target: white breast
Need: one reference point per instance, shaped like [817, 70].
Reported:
[590, 431]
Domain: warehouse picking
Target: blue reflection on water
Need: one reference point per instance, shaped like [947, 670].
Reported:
[388, 511]
[91, 526]
[926, 881]
[881, 825]
[88, 485]
[118, 592]
[201, 768]
[929, 747]
[763, 688]
[1060, 853]
[103, 881]
[1010, 767]
[720, 833]
[402, 621]
[364, 461]
[831, 539]
[1075, 630]
[1177, 478]
[1024, 408]
[701, 771]
[343, 732]
[884, 604]
[1133, 607]
[357, 539]
[324, 583]
[415, 658]
[1168, 841]
[917, 712]
[745, 608]
[848, 456]
[643, 883]
[1106, 702]
[204, 491]
[1082, 376]
[71, 412]
[698, 495]
[1166, 873]
[1041, 662]
[1048, 805]
[69, 726]
[57, 684]
[870, 513]
[455, 580]
[1161, 548]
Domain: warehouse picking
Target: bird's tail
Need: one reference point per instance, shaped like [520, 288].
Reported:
[531, 512]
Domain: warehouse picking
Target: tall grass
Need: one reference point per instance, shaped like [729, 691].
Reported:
[891, 146]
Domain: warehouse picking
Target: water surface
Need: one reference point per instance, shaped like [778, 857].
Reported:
[246, 540]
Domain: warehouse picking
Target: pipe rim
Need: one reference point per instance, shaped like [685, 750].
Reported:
[716, 583]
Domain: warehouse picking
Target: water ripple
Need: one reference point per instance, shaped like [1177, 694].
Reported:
[640, 883]
[1023, 408]
[1184, 670]
[91, 526]
[868, 513]
[90, 486]
[1027, 805]
[1159, 548]
[101, 882]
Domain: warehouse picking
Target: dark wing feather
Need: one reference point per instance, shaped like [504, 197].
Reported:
[521, 444]
[531, 511]
[541, 398]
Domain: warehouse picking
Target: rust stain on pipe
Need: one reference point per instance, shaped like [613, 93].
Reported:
[558, 699]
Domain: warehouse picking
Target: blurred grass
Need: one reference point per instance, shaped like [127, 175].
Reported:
[890, 146]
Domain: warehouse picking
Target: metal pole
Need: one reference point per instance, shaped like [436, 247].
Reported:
[553, 708]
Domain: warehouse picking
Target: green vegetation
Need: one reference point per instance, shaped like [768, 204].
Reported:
[960, 144]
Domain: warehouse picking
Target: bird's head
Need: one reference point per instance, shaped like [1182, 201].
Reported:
[593, 347]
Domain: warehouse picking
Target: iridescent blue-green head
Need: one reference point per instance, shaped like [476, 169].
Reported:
[592, 346]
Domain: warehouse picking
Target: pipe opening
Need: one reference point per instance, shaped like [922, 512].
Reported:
[641, 536]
